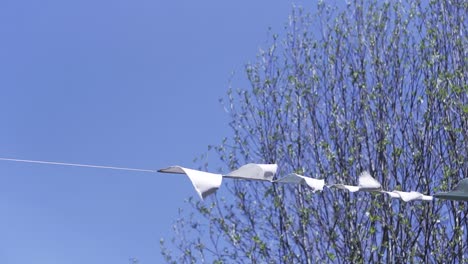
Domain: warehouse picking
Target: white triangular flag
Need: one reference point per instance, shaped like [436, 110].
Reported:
[392, 194]
[366, 183]
[350, 188]
[409, 196]
[205, 183]
[252, 171]
[314, 184]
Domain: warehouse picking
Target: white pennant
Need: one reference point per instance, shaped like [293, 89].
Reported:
[314, 184]
[252, 171]
[350, 188]
[205, 183]
[366, 183]
[409, 196]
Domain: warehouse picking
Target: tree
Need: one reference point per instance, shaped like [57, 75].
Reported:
[372, 86]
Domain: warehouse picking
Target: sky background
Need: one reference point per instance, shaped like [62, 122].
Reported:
[114, 83]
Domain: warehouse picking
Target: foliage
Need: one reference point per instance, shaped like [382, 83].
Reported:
[372, 86]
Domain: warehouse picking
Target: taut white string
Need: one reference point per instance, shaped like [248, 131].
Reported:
[75, 165]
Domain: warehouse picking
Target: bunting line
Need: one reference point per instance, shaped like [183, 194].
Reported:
[206, 183]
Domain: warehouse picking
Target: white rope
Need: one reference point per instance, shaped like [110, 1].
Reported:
[75, 165]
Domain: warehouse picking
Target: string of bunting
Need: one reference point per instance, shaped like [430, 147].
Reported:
[206, 183]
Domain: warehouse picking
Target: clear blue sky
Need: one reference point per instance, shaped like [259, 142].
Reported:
[118, 83]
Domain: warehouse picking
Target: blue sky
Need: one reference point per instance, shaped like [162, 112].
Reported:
[117, 83]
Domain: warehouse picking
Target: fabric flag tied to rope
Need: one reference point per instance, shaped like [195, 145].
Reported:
[252, 171]
[205, 183]
[314, 184]
[408, 196]
[365, 183]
